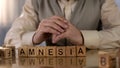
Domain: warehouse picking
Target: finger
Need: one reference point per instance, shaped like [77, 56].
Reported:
[53, 38]
[59, 37]
[54, 26]
[60, 23]
[49, 30]
[60, 19]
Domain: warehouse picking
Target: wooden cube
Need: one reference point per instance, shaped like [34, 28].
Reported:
[32, 51]
[22, 51]
[13, 50]
[81, 50]
[71, 50]
[5, 53]
[51, 51]
[81, 61]
[105, 60]
[41, 51]
[60, 51]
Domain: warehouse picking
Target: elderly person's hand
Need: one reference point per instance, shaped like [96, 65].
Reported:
[52, 26]
[71, 33]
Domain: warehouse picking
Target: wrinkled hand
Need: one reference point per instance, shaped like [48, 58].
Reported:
[52, 26]
[71, 33]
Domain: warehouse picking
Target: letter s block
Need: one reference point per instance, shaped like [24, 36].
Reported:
[60, 51]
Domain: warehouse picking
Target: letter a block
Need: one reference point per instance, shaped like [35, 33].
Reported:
[5, 53]
[71, 51]
[22, 51]
[60, 51]
[81, 51]
[41, 51]
[105, 60]
[51, 51]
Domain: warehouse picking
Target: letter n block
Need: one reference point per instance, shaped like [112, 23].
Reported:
[32, 51]
[81, 51]
[51, 51]
[5, 53]
[105, 60]
[60, 51]
[71, 51]
[41, 51]
[22, 51]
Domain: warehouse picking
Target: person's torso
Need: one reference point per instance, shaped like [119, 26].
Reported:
[86, 15]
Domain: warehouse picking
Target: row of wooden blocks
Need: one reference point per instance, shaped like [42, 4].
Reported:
[7, 52]
[48, 51]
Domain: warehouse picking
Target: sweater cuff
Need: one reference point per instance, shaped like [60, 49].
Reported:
[91, 38]
[27, 38]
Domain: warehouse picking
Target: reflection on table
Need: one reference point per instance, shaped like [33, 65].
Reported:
[90, 61]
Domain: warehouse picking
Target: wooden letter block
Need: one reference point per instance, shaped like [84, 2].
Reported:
[60, 51]
[105, 60]
[71, 51]
[41, 51]
[13, 50]
[5, 53]
[51, 51]
[32, 51]
[22, 51]
[81, 51]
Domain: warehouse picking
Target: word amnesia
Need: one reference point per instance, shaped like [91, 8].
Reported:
[53, 51]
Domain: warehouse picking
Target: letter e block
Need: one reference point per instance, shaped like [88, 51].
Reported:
[13, 50]
[51, 51]
[6, 53]
[81, 50]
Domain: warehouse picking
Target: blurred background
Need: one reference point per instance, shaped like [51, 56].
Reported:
[9, 11]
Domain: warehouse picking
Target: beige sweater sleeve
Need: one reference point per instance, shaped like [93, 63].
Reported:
[109, 37]
[23, 28]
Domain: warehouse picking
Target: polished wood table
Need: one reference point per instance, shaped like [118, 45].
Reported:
[90, 61]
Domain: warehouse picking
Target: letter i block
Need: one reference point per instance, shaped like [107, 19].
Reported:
[81, 50]
[5, 53]
[12, 48]
[71, 51]
[51, 51]
[105, 60]
[32, 51]
[60, 51]
[22, 51]
[41, 51]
